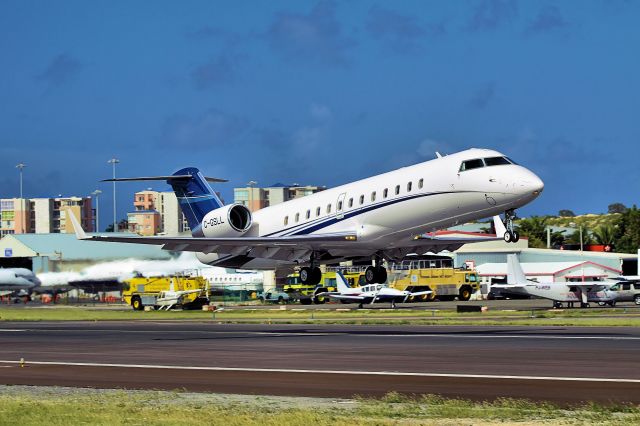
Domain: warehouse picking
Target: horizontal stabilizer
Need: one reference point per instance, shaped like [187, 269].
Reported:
[166, 178]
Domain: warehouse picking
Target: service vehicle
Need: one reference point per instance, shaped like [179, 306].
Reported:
[307, 294]
[627, 289]
[145, 291]
[435, 275]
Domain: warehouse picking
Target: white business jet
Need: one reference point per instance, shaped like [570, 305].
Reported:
[370, 293]
[559, 292]
[379, 218]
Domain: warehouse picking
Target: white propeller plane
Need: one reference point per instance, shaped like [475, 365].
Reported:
[383, 217]
[559, 292]
[370, 293]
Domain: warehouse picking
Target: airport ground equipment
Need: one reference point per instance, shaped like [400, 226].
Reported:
[307, 294]
[278, 297]
[438, 276]
[192, 292]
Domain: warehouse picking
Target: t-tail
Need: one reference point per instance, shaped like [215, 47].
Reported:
[195, 196]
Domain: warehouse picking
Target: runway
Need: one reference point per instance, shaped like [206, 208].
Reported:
[561, 364]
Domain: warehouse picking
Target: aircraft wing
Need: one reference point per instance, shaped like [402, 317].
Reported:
[201, 244]
[339, 296]
[420, 293]
[435, 243]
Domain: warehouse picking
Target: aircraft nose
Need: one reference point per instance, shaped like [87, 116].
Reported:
[531, 184]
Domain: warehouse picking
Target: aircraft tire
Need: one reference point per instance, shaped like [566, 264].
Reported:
[636, 299]
[316, 276]
[306, 275]
[381, 275]
[508, 237]
[516, 236]
[370, 275]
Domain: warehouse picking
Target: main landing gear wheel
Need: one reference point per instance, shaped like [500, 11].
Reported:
[375, 274]
[310, 276]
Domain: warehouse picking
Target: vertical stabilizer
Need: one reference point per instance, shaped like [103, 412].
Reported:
[195, 196]
[515, 274]
[341, 283]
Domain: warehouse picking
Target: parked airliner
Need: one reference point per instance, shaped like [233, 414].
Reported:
[17, 282]
[383, 217]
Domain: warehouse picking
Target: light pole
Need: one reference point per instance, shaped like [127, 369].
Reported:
[251, 183]
[113, 162]
[573, 224]
[96, 193]
[20, 166]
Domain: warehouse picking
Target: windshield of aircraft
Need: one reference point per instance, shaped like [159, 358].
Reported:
[478, 163]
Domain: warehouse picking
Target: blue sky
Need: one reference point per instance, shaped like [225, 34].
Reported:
[319, 92]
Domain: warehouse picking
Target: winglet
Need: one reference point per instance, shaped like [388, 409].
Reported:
[499, 226]
[76, 226]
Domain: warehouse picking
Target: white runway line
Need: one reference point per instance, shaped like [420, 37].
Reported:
[341, 372]
[339, 333]
[9, 330]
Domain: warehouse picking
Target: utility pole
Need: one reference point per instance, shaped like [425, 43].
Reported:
[21, 166]
[96, 193]
[113, 162]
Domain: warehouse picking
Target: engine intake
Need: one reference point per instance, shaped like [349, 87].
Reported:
[228, 221]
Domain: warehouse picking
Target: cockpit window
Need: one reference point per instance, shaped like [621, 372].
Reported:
[471, 164]
[496, 161]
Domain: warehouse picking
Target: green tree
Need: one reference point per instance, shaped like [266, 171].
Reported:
[566, 213]
[628, 231]
[617, 208]
[605, 234]
[534, 228]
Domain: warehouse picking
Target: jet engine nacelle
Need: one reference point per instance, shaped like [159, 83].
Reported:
[228, 221]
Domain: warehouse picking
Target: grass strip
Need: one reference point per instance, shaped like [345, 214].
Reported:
[65, 406]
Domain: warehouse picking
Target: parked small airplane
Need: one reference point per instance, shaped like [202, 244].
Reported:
[380, 218]
[568, 291]
[170, 298]
[17, 282]
[367, 294]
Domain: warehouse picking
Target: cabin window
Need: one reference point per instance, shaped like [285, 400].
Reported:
[373, 196]
[297, 217]
[361, 199]
[308, 214]
[420, 183]
[339, 206]
[350, 202]
[472, 164]
[286, 220]
[318, 212]
[397, 189]
[409, 187]
[385, 193]
[328, 208]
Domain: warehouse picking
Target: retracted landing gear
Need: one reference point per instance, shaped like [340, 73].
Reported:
[511, 235]
[376, 274]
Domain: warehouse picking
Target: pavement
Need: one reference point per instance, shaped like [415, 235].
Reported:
[560, 364]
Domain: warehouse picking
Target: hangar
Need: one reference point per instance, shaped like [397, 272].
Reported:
[64, 252]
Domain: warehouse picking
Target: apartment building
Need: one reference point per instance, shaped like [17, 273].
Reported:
[257, 198]
[44, 215]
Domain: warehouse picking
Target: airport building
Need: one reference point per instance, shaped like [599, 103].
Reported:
[257, 198]
[156, 213]
[44, 215]
[64, 252]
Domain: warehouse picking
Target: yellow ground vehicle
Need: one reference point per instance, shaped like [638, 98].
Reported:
[142, 291]
[307, 294]
[438, 275]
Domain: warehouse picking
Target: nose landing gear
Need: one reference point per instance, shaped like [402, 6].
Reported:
[511, 235]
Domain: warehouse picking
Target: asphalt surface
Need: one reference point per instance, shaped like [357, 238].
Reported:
[561, 364]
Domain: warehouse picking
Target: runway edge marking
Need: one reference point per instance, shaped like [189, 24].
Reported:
[342, 372]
